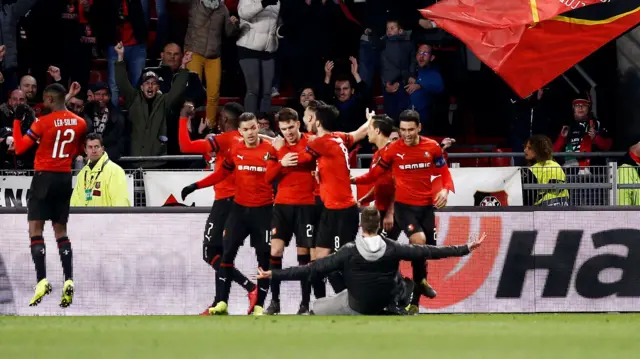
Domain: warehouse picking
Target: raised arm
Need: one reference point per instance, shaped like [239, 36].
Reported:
[318, 268]
[411, 252]
[23, 142]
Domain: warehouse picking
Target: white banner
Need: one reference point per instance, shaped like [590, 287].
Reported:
[14, 189]
[496, 186]
[144, 264]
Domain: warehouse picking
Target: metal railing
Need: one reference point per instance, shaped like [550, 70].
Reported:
[587, 186]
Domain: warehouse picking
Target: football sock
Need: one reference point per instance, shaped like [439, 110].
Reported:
[66, 257]
[38, 254]
[263, 284]
[305, 284]
[276, 263]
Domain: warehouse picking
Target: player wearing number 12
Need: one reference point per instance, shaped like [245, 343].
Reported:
[250, 213]
[60, 135]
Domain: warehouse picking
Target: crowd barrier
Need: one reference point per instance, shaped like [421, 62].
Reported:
[148, 261]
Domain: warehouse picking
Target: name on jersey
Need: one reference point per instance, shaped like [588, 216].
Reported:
[252, 168]
[415, 166]
[65, 122]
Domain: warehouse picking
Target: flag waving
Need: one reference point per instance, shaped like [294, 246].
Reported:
[531, 42]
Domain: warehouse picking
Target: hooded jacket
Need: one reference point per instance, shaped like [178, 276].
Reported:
[370, 267]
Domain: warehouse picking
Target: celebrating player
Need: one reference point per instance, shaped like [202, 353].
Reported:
[339, 220]
[294, 211]
[224, 191]
[412, 162]
[250, 213]
[60, 135]
[383, 192]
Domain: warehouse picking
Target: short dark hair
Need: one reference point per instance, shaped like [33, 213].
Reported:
[57, 91]
[542, 146]
[95, 137]
[343, 78]
[383, 123]
[327, 115]
[314, 104]
[247, 116]
[395, 21]
[287, 114]
[234, 109]
[410, 116]
[370, 220]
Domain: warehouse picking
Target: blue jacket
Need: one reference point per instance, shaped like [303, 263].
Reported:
[431, 83]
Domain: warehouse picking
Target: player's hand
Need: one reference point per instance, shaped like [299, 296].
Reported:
[289, 160]
[278, 142]
[262, 274]
[119, 49]
[387, 221]
[21, 111]
[441, 198]
[369, 114]
[476, 241]
[187, 110]
[55, 73]
[447, 142]
[188, 190]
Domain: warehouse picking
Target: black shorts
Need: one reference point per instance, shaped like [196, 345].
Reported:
[298, 220]
[214, 228]
[394, 233]
[416, 219]
[337, 227]
[254, 222]
[49, 197]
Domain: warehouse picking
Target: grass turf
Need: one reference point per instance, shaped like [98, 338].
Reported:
[564, 336]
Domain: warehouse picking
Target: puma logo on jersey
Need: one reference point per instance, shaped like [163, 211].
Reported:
[240, 157]
[400, 155]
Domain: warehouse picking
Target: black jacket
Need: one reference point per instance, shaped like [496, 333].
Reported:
[105, 18]
[370, 268]
[114, 134]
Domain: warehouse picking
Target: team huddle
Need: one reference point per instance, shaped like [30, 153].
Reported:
[313, 202]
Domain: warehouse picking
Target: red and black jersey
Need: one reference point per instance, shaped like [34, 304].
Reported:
[218, 144]
[412, 168]
[332, 154]
[250, 167]
[296, 184]
[384, 189]
[60, 135]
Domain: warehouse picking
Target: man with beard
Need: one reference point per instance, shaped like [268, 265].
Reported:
[8, 158]
[148, 108]
[104, 119]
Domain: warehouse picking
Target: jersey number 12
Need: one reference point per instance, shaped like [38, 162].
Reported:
[58, 147]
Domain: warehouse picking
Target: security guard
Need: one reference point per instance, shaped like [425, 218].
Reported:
[101, 183]
[629, 173]
[538, 150]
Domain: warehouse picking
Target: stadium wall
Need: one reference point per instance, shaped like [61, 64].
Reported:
[148, 261]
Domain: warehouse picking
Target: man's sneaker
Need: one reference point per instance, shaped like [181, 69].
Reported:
[67, 294]
[273, 308]
[427, 290]
[253, 299]
[304, 309]
[413, 309]
[258, 310]
[219, 309]
[275, 92]
[41, 289]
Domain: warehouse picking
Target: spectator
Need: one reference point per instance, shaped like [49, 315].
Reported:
[584, 134]
[162, 23]
[9, 16]
[171, 59]
[29, 87]
[265, 122]
[78, 41]
[106, 120]
[101, 183]
[148, 108]
[424, 84]
[629, 173]
[544, 170]
[527, 117]
[208, 20]
[302, 101]
[351, 101]
[256, 46]
[3, 89]
[7, 115]
[116, 21]
[76, 105]
[308, 32]
[398, 53]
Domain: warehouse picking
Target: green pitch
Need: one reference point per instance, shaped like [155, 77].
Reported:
[567, 336]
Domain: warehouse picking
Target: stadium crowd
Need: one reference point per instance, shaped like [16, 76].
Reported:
[266, 54]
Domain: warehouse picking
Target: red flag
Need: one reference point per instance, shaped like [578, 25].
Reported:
[531, 42]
